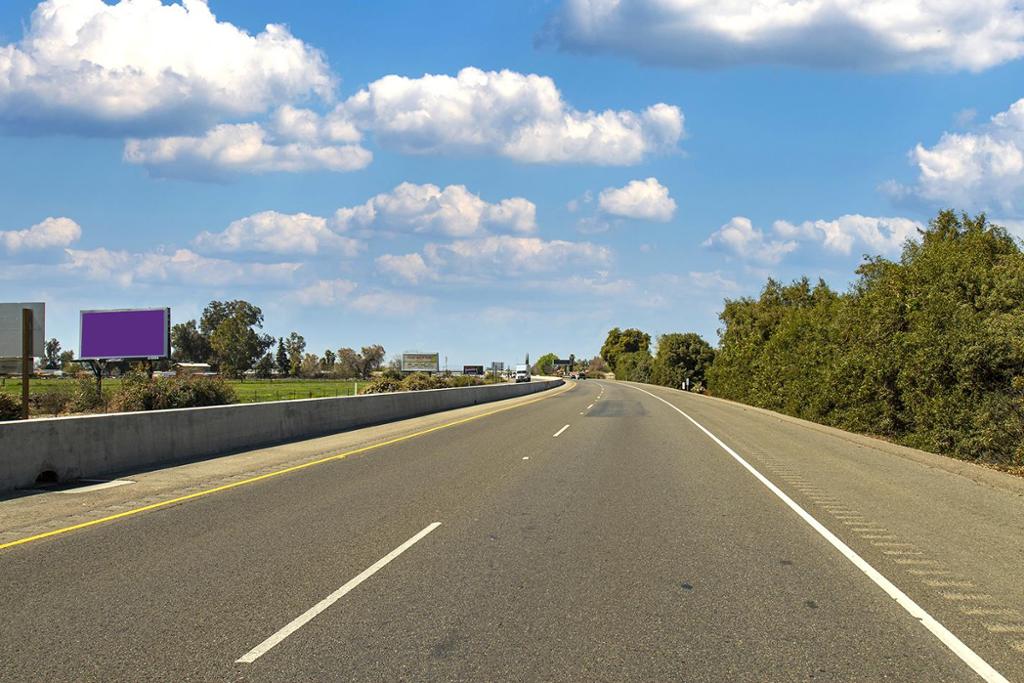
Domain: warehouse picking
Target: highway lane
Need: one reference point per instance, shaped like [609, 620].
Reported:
[629, 546]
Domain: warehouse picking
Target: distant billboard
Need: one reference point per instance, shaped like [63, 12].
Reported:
[472, 369]
[497, 366]
[421, 362]
[10, 329]
[125, 334]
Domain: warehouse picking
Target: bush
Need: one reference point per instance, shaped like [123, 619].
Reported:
[139, 392]
[85, 397]
[418, 381]
[464, 381]
[10, 408]
[55, 401]
[382, 385]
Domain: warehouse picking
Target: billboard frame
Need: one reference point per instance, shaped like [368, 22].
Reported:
[166, 337]
[435, 369]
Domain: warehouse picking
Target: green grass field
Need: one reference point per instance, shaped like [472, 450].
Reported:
[248, 391]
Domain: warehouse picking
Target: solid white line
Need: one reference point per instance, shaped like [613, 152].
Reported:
[300, 621]
[559, 432]
[590, 406]
[961, 650]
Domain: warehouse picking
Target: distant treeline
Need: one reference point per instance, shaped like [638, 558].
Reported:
[927, 351]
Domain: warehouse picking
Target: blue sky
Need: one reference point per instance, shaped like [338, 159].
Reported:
[738, 146]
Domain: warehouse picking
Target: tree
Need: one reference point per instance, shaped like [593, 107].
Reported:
[265, 367]
[681, 357]
[295, 345]
[188, 344]
[598, 366]
[67, 358]
[371, 359]
[327, 363]
[634, 366]
[234, 341]
[281, 358]
[349, 364]
[924, 350]
[545, 365]
[620, 342]
[51, 355]
[309, 366]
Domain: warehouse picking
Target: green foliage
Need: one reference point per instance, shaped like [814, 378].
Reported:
[139, 392]
[86, 396]
[927, 350]
[681, 357]
[265, 367]
[382, 385]
[621, 342]
[10, 407]
[634, 366]
[418, 381]
[188, 344]
[281, 358]
[545, 365]
[51, 355]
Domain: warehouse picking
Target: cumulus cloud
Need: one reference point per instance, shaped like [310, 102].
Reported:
[505, 255]
[409, 267]
[50, 233]
[519, 116]
[983, 169]
[181, 267]
[230, 149]
[279, 233]
[740, 237]
[452, 211]
[885, 235]
[144, 67]
[858, 34]
[643, 199]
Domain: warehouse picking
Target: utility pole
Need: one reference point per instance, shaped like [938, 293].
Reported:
[27, 323]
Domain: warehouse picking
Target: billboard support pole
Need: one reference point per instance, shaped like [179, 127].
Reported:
[27, 324]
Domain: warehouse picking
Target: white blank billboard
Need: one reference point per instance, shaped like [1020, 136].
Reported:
[10, 329]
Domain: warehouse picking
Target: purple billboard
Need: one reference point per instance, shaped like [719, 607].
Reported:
[135, 333]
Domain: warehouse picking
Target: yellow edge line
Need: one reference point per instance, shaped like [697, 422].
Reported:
[268, 475]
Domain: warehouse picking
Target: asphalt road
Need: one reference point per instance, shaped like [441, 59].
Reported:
[629, 545]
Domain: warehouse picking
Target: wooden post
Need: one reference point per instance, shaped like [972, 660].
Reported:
[26, 358]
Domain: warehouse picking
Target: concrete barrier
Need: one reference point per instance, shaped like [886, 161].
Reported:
[96, 445]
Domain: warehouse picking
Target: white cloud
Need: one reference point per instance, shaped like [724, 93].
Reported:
[980, 170]
[279, 233]
[385, 302]
[326, 293]
[515, 115]
[181, 267]
[712, 280]
[885, 235]
[230, 149]
[643, 199]
[453, 211]
[506, 256]
[409, 267]
[744, 240]
[865, 34]
[52, 232]
[141, 66]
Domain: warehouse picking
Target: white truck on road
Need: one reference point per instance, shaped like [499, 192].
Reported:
[522, 373]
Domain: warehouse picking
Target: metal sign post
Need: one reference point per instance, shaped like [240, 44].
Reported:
[27, 324]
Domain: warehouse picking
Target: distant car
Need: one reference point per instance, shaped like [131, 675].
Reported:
[581, 375]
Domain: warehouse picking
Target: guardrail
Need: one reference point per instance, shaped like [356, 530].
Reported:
[68, 448]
